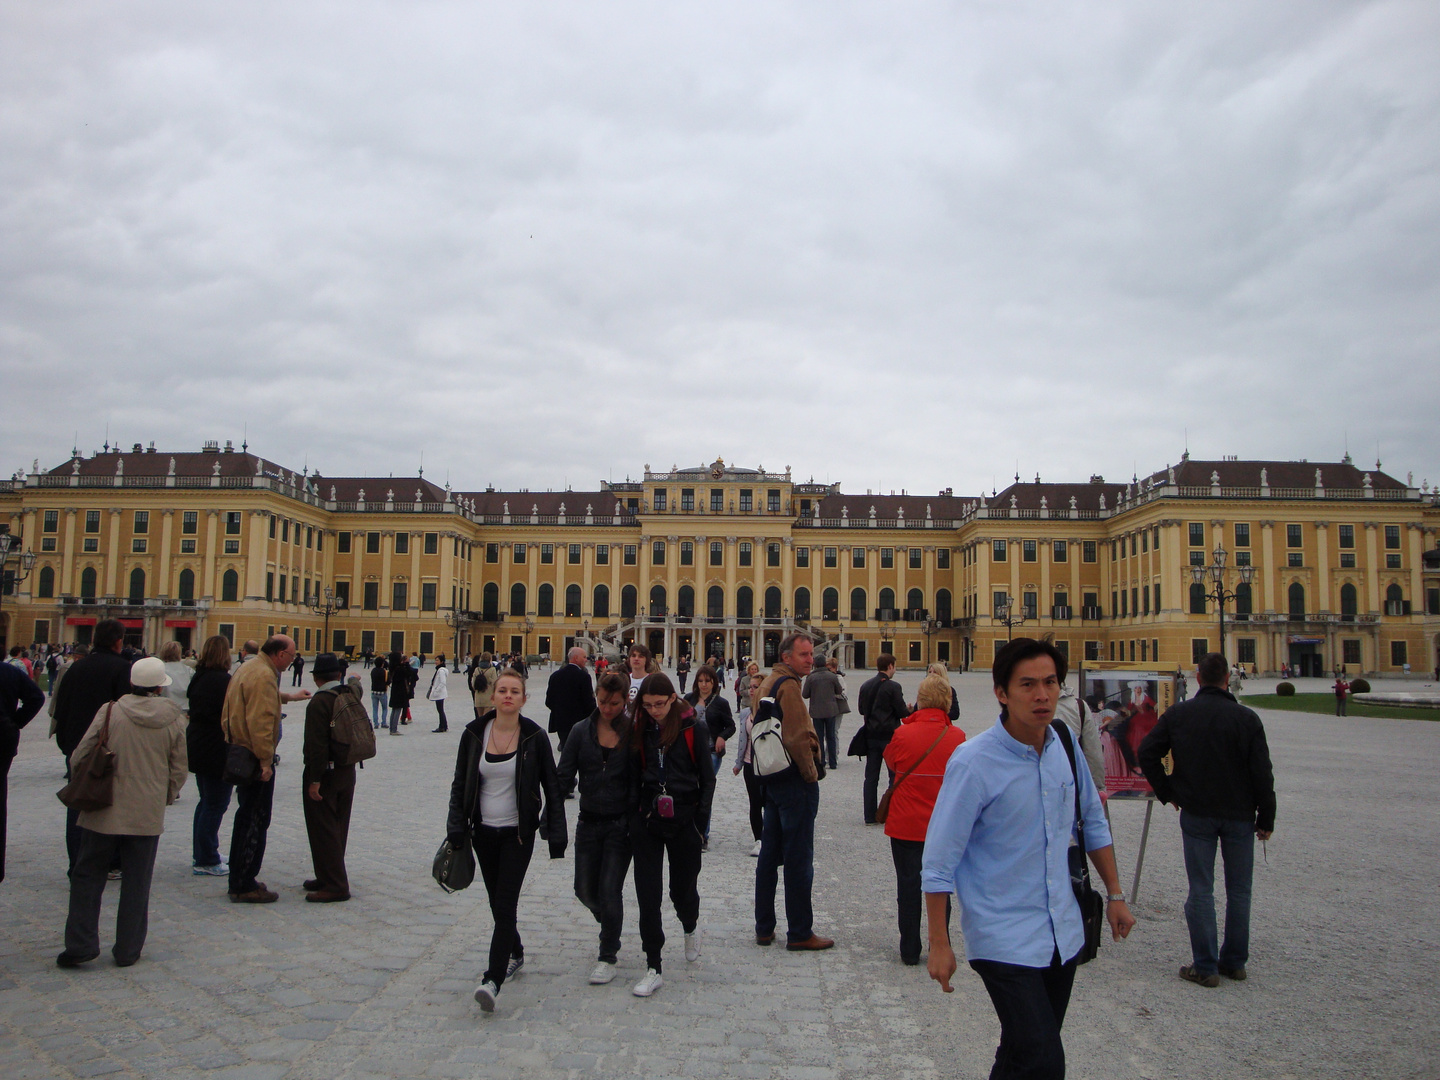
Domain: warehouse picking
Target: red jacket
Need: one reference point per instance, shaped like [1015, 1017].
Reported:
[914, 800]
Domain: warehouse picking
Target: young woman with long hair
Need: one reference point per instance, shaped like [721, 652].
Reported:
[205, 751]
[505, 781]
[672, 789]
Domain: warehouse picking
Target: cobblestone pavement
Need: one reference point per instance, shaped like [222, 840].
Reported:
[1343, 971]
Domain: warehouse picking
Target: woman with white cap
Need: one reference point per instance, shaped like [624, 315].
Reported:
[146, 732]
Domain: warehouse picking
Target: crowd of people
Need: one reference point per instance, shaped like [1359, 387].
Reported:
[966, 819]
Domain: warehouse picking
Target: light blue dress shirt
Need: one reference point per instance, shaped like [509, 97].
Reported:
[999, 840]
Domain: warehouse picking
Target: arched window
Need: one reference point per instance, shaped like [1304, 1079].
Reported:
[830, 604]
[1394, 600]
[1297, 600]
[87, 583]
[744, 603]
[685, 601]
[230, 586]
[772, 602]
[137, 586]
[857, 604]
[1197, 599]
[657, 600]
[715, 602]
[601, 606]
[1348, 604]
[187, 584]
[517, 600]
[628, 602]
[46, 587]
[943, 606]
[572, 601]
[915, 601]
[545, 601]
[802, 603]
[1244, 599]
[490, 602]
[887, 599]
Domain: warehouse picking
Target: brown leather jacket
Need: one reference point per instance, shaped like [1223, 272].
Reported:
[797, 730]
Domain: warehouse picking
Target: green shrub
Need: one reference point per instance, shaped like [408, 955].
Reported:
[1359, 686]
[1285, 689]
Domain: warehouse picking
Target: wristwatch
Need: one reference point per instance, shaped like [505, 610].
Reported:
[1115, 897]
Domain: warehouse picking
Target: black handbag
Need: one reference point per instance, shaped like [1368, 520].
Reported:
[241, 766]
[1092, 905]
[859, 745]
[454, 866]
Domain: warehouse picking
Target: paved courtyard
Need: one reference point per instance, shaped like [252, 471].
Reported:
[1344, 968]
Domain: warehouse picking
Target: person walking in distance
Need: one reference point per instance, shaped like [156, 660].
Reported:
[672, 788]
[402, 683]
[824, 691]
[329, 786]
[641, 664]
[682, 672]
[1342, 688]
[711, 707]
[568, 695]
[251, 718]
[379, 700]
[146, 733]
[205, 753]
[999, 840]
[20, 699]
[297, 669]
[504, 781]
[438, 691]
[792, 799]
[882, 706]
[1224, 788]
[597, 754]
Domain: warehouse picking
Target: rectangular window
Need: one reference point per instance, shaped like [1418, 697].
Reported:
[227, 631]
[270, 585]
[1132, 552]
[232, 547]
[942, 558]
[283, 583]
[1294, 536]
[887, 558]
[913, 648]
[187, 547]
[1027, 551]
[1242, 535]
[660, 498]
[1432, 601]
[427, 596]
[285, 532]
[1198, 648]
[52, 522]
[1295, 558]
[657, 553]
[1398, 655]
[1347, 560]
[432, 543]
[857, 558]
[1197, 558]
[1060, 551]
[1092, 650]
[998, 598]
[1155, 591]
[372, 596]
[1087, 551]
[399, 595]
[1392, 561]
[517, 553]
[629, 555]
[802, 557]
[832, 558]
[772, 500]
[547, 554]
[602, 554]
[319, 539]
[717, 500]
[572, 555]
[1245, 650]
[189, 523]
[402, 543]
[427, 641]
[397, 641]
[1350, 649]
[717, 553]
[1347, 536]
[309, 536]
[1144, 541]
[1145, 601]
[687, 498]
[772, 554]
[687, 553]
[1392, 536]
[372, 543]
[295, 586]
[232, 523]
[1242, 558]
[342, 594]
[342, 543]
[272, 526]
[747, 500]
[137, 545]
[92, 521]
[1197, 534]
[997, 551]
[492, 553]
[746, 553]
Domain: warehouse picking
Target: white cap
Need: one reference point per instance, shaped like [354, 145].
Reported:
[149, 671]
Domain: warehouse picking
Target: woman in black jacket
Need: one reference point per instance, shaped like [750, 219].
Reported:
[205, 746]
[402, 681]
[672, 788]
[714, 711]
[504, 781]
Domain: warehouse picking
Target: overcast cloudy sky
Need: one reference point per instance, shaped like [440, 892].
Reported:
[894, 245]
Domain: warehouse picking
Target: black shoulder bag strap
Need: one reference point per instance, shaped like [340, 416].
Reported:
[1092, 910]
[1062, 729]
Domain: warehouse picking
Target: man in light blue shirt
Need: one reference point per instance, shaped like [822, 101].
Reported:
[999, 839]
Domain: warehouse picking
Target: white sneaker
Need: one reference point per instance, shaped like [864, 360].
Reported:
[604, 971]
[692, 946]
[649, 984]
[755, 851]
[485, 994]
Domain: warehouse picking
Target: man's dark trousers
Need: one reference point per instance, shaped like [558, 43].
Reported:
[1031, 1004]
[788, 837]
[874, 762]
[908, 856]
[136, 856]
[254, 802]
[1236, 840]
[602, 859]
[327, 824]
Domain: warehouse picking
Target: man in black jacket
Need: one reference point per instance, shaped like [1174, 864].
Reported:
[1224, 788]
[90, 683]
[569, 696]
[20, 700]
[882, 705]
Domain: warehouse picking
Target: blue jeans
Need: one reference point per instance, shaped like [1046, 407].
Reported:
[1236, 840]
[209, 812]
[828, 728]
[379, 709]
[788, 837]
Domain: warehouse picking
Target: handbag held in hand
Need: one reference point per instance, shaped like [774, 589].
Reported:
[454, 866]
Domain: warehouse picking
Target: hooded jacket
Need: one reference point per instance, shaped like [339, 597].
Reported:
[689, 778]
[604, 777]
[147, 737]
[537, 786]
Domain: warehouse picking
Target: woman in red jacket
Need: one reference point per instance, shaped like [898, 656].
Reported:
[916, 755]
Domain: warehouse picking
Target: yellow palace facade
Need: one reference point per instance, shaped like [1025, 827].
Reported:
[1325, 564]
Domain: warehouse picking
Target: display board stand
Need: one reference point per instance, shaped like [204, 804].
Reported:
[1140, 855]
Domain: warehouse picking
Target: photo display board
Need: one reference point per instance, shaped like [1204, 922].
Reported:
[1127, 704]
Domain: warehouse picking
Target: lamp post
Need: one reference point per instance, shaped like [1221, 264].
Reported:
[458, 619]
[1005, 614]
[24, 562]
[325, 605]
[1216, 573]
[928, 629]
[529, 625]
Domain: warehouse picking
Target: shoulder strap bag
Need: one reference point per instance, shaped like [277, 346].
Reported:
[1092, 907]
[92, 782]
[882, 809]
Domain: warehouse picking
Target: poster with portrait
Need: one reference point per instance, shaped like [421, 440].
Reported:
[1127, 705]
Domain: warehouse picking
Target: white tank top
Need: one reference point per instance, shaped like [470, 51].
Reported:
[499, 807]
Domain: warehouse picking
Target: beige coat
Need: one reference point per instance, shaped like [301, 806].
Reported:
[251, 714]
[147, 736]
